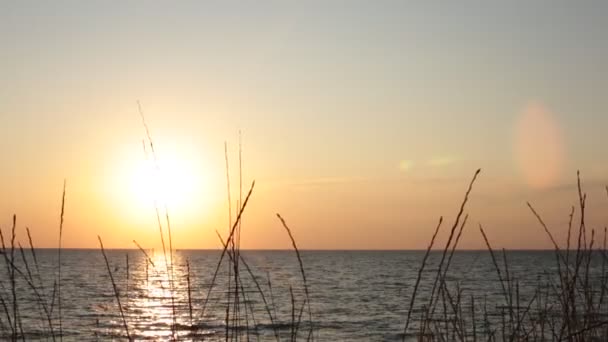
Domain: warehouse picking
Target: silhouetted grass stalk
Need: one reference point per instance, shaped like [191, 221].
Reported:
[116, 292]
[419, 277]
[301, 264]
[59, 248]
[447, 246]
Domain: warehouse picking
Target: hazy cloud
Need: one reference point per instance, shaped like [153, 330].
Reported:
[329, 180]
[442, 161]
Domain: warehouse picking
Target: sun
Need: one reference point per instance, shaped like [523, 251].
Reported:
[180, 180]
[169, 182]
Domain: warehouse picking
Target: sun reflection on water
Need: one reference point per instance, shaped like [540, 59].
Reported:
[155, 301]
[156, 306]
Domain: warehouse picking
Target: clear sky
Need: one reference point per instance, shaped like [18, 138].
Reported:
[362, 121]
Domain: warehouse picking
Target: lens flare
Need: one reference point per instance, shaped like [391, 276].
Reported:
[538, 146]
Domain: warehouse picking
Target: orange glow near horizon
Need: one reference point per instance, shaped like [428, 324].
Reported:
[361, 124]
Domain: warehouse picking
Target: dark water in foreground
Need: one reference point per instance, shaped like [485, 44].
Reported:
[355, 295]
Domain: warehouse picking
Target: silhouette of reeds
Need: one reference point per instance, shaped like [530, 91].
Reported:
[574, 292]
[259, 288]
[567, 305]
[12, 271]
[225, 248]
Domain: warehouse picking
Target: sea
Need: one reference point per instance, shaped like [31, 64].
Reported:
[346, 295]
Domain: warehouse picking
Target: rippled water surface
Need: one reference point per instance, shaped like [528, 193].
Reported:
[354, 295]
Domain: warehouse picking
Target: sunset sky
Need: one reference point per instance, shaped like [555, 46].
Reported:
[362, 122]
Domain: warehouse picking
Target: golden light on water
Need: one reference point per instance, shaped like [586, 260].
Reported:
[538, 149]
[153, 302]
